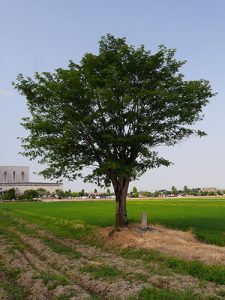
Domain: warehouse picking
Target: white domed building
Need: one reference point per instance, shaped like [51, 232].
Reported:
[17, 177]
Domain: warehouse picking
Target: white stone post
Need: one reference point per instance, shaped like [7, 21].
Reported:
[144, 220]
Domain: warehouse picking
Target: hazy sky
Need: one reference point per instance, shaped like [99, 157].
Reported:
[45, 34]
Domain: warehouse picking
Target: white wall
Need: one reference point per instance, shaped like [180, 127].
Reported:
[20, 188]
[21, 174]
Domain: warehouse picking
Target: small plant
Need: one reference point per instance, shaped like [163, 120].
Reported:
[106, 272]
[52, 280]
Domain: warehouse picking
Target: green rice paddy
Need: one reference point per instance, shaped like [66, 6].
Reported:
[205, 217]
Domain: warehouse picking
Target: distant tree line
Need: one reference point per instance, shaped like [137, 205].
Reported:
[31, 194]
[12, 194]
[177, 192]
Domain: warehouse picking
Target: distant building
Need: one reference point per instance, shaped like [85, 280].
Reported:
[213, 189]
[210, 189]
[18, 178]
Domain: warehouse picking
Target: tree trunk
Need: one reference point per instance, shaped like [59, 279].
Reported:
[121, 188]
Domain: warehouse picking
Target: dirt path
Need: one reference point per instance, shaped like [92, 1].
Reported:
[48, 269]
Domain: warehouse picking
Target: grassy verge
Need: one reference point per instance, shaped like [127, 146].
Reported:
[213, 273]
[60, 227]
[159, 294]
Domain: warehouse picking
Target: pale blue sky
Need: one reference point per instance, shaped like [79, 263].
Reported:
[45, 34]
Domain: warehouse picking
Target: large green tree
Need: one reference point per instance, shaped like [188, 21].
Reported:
[109, 113]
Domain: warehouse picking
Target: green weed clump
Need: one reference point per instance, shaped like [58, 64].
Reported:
[105, 272]
[52, 280]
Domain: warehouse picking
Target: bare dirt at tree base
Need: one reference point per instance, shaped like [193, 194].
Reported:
[168, 241]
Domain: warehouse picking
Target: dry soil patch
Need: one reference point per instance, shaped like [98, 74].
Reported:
[168, 241]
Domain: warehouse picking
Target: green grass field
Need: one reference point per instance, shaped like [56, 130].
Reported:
[206, 217]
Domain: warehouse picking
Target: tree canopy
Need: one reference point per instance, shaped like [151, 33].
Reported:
[109, 113]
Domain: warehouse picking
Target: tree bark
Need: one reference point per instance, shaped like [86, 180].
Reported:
[121, 187]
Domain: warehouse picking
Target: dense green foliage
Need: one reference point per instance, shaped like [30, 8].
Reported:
[109, 113]
[9, 195]
[28, 195]
[110, 110]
